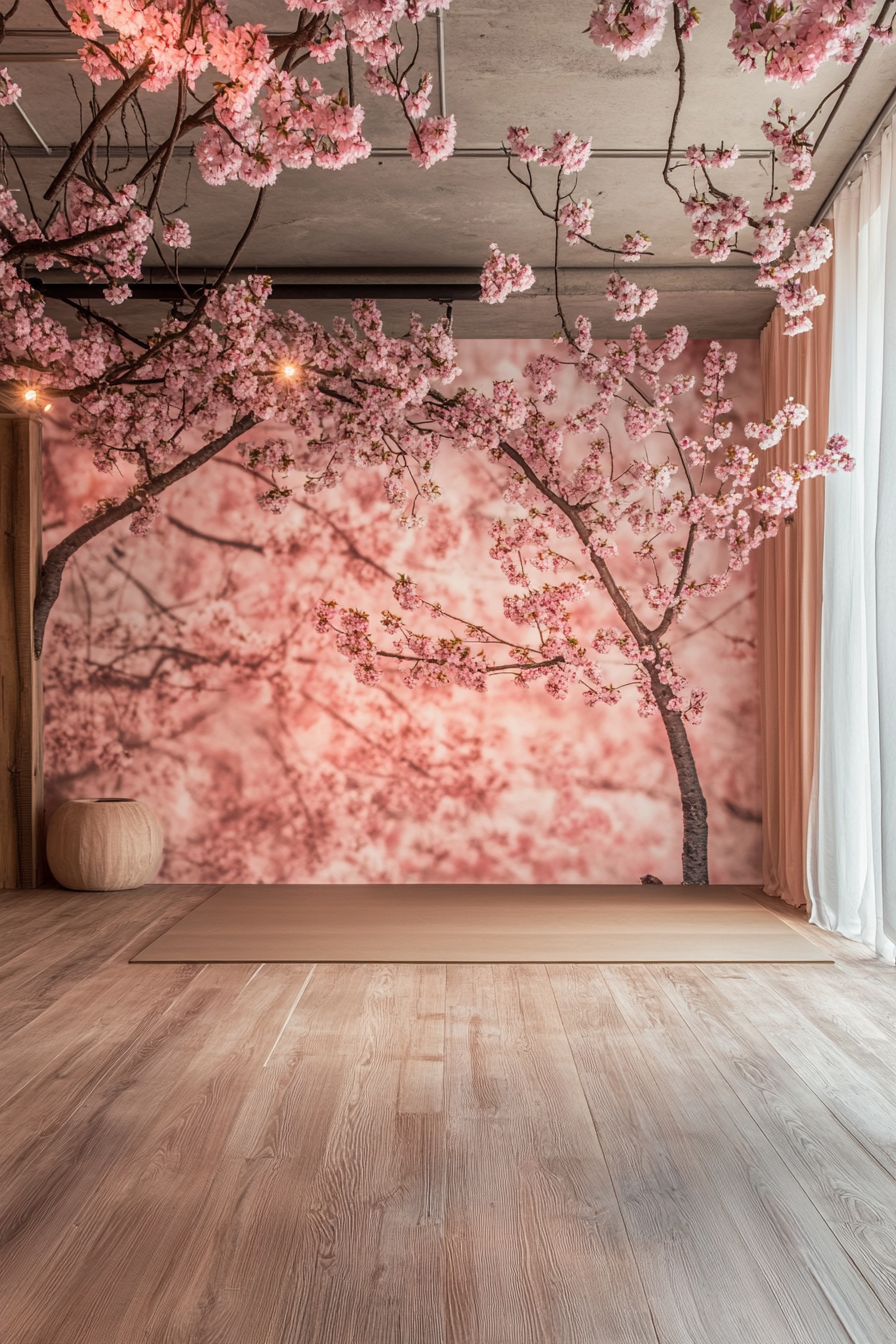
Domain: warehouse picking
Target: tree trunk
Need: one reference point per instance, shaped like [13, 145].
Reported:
[695, 831]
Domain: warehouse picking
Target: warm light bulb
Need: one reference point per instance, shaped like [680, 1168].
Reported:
[289, 371]
[31, 395]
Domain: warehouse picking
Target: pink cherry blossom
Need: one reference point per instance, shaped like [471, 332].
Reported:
[502, 276]
[631, 302]
[633, 246]
[566, 152]
[770, 238]
[792, 39]
[433, 140]
[9, 91]
[715, 224]
[176, 234]
[518, 139]
[629, 27]
[793, 146]
[716, 158]
[576, 218]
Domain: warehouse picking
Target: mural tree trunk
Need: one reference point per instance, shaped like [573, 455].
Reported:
[695, 830]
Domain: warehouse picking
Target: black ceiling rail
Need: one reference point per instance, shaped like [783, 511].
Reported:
[439, 292]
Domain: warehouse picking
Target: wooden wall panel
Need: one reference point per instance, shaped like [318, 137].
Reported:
[21, 719]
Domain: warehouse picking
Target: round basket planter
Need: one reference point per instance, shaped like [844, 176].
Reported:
[104, 844]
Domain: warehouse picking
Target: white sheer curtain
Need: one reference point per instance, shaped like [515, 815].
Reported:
[852, 834]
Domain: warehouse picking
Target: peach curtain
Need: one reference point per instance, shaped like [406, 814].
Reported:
[789, 601]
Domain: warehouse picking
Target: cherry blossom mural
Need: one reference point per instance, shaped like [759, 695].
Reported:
[184, 667]
[215, 612]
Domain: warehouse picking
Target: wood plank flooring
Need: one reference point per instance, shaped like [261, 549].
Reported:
[431, 1154]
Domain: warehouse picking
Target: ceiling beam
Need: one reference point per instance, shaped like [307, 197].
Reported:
[439, 286]
[170, 293]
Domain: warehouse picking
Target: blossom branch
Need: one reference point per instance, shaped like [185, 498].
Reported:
[59, 555]
[624, 608]
[679, 101]
[102, 119]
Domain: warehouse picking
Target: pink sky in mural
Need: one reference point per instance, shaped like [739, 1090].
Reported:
[183, 668]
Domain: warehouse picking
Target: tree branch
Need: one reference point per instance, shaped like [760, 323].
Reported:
[680, 71]
[59, 556]
[623, 607]
[503, 667]
[844, 87]
[43, 246]
[218, 541]
[105, 115]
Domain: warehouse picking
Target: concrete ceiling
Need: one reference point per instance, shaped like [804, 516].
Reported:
[506, 63]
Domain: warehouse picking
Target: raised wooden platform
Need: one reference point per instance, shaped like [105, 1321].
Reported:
[497, 923]
[463, 1154]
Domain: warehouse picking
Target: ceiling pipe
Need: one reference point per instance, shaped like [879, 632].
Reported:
[585, 284]
[438, 292]
[383, 152]
[28, 122]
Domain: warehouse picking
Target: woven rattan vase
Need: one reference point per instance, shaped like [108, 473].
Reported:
[104, 844]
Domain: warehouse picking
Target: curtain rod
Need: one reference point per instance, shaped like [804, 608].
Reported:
[844, 177]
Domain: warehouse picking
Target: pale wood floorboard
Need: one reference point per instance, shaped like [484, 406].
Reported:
[536, 1244]
[421, 1154]
[840, 1178]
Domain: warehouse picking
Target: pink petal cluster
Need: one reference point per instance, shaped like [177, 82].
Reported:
[264, 120]
[770, 432]
[9, 90]
[114, 257]
[352, 639]
[778, 495]
[518, 139]
[297, 125]
[631, 302]
[629, 27]
[567, 153]
[325, 48]
[811, 249]
[698, 155]
[791, 39]
[793, 147]
[576, 217]
[432, 140]
[503, 276]
[176, 234]
[715, 224]
[634, 245]
[770, 237]
[142, 521]
[541, 371]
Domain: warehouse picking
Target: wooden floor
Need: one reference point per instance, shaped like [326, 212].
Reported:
[405, 1154]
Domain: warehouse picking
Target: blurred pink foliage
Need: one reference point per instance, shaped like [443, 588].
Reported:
[183, 668]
